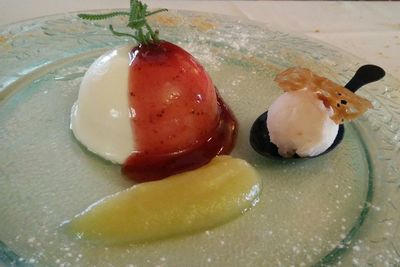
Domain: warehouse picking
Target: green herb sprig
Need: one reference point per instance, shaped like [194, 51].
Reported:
[142, 32]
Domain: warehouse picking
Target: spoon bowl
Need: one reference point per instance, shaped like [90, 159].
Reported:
[259, 135]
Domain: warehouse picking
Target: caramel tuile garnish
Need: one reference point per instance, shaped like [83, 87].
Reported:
[345, 104]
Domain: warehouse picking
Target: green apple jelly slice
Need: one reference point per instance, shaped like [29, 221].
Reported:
[180, 204]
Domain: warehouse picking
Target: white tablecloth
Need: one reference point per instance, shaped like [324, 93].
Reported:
[370, 30]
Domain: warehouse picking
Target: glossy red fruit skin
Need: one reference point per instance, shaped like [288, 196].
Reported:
[177, 118]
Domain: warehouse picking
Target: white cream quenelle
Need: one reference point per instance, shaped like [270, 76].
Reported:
[100, 118]
[299, 123]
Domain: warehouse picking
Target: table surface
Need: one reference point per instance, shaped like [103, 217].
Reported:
[369, 30]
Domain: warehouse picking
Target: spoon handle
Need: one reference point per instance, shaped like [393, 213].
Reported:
[365, 74]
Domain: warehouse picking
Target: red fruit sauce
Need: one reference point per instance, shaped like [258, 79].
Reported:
[178, 121]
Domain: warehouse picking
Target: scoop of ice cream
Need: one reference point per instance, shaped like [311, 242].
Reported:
[100, 119]
[299, 123]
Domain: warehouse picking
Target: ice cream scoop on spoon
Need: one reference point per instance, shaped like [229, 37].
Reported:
[306, 121]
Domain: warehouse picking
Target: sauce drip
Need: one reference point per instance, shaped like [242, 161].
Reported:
[178, 120]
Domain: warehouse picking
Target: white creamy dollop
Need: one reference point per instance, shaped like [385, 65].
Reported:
[298, 122]
[100, 118]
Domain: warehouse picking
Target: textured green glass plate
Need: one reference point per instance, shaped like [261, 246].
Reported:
[341, 208]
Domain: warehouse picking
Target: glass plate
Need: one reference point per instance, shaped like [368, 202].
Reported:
[340, 208]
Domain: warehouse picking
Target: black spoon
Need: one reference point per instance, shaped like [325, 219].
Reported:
[259, 135]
